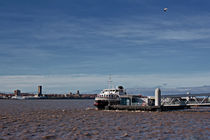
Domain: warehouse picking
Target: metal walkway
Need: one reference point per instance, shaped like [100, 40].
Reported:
[186, 99]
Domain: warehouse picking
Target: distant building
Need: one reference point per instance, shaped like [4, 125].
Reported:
[39, 90]
[17, 92]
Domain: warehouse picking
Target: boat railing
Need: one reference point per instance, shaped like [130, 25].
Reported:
[111, 96]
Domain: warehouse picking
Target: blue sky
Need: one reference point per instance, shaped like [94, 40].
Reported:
[75, 42]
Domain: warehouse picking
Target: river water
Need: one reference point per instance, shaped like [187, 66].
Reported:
[78, 119]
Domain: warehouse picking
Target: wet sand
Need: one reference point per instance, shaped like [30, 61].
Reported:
[77, 119]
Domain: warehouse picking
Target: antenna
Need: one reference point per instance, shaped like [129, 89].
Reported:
[110, 81]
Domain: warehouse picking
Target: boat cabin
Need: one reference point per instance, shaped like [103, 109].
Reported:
[136, 100]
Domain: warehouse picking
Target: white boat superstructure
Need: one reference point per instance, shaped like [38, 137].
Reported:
[114, 92]
[109, 96]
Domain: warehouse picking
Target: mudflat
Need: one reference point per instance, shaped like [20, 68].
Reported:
[77, 119]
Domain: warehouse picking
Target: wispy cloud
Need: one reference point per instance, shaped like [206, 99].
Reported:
[71, 43]
[87, 83]
[156, 30]
[96, 41]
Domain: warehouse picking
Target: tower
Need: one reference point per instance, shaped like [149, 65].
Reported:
[39, 90]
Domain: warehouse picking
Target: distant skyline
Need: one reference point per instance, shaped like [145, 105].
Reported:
[73, 44]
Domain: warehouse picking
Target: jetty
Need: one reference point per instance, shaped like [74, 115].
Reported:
[161, 102]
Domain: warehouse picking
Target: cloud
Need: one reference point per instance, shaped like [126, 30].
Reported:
[156, 30]
[185, 35]
[70, 44]
[87, 83]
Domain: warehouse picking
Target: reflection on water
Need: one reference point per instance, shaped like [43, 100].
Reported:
[77, 119]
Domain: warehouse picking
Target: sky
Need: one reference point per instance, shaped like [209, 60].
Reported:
[69, 45]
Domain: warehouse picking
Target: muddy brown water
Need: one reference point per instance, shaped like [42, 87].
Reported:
[77, 119]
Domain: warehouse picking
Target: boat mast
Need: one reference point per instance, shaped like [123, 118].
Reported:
[110, 82]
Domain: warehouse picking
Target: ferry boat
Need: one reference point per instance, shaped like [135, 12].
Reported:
[109, 97]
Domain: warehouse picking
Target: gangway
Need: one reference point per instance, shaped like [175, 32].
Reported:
[188, 99]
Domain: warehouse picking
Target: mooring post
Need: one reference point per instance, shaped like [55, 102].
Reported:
[157, 97]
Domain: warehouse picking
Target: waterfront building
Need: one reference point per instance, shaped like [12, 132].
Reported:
[17, 92]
